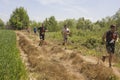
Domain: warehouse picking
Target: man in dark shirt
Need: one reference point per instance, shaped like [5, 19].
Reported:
[42, 31]
[35, 30]
[110, 37]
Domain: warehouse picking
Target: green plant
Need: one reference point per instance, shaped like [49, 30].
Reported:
[11, 66]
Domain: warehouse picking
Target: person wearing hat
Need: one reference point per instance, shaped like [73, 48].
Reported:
[110, 37]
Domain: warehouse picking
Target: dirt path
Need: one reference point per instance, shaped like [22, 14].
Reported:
[60, 63]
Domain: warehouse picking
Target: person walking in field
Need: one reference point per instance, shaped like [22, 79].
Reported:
[65, 32]
[35, 30]
[42, 31]
[110, 37]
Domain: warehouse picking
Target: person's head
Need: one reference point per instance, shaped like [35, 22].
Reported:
[113, 28]
[65, 26]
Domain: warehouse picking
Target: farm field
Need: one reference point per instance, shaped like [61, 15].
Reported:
[59, 40]
[47, 61]
[11, 66]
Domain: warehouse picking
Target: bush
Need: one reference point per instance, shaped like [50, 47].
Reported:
[91, 43]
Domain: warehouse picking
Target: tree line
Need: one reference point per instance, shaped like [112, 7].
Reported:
[19, 20]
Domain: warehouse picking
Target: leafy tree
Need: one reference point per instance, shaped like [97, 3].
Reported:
[35, 24]
[83, 24]
[117, 15]
[91, 43]
[46, 23]
[95, 27]
[71, 23]
[80, 23]
[51, 24]
[61, 24]
[1, 24]
[19, 19]
[116, 18]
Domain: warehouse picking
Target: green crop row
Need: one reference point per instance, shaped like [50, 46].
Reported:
[11, 66]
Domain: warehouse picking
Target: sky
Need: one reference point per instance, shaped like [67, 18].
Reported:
[38, 10]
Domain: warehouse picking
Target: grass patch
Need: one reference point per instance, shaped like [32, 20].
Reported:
[11, 66]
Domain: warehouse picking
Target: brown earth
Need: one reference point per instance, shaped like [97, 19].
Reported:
[52, 62]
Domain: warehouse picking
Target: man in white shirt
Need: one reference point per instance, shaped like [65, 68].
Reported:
[65, 33]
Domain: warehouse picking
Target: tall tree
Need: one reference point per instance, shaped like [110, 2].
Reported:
[116, 17]
[46, 23]
[83, 24]
[35, 24]
[1, 24]
[19, 18]
[51, 24]
[71, 23]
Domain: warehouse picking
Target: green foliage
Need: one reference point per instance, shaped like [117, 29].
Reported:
[117, 15]
[95, 27]
[11, 67]
[116, 19]
[83, 24]
[71, 23]
[91, 43]
[61, 24]
[1, 24]
[54, 36]
[19, 19]
[51, 24]
[35, 24]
